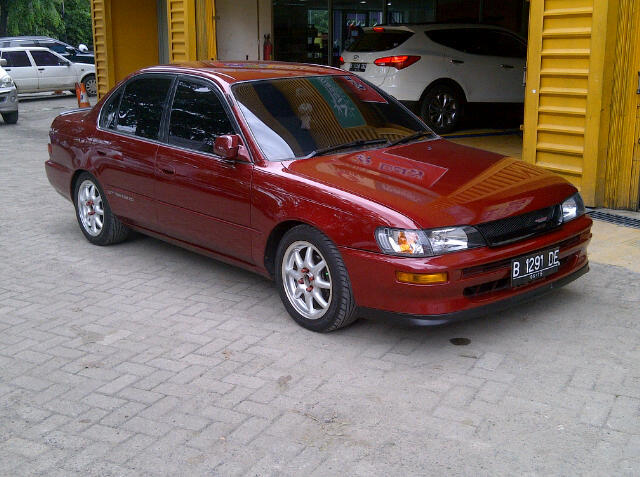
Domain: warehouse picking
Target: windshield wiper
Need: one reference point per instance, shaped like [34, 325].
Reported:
[412, 137]
[347, 145]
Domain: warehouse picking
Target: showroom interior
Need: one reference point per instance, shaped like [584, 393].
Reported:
[581, 100]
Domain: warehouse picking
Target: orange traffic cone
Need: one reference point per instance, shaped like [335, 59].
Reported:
[83, 97]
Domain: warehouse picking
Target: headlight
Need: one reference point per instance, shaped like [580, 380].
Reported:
[427, 243]
[6, 82]
[572, 208]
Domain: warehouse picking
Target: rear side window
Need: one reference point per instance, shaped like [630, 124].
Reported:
[46, 58]
[373, 40]
[500, 43]
[197, 116]
[16, 59]
[461, 39]
[142, 104]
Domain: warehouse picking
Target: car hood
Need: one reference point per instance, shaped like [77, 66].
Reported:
[437, 183]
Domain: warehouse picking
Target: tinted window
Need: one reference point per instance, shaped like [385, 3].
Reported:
[294, 117]
[142, 105]
[16, 59]
[53, 45]
[110, 111]
[373, 40]
[197, 116]
[46, 58]
[466, 40]
[499, 43]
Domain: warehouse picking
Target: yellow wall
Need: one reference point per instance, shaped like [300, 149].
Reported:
[134, 27]
[580, 105]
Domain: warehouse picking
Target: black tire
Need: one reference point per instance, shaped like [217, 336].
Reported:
[10, 118]
[341, 307]
[112, 230]
[442, 108]
[90, 84]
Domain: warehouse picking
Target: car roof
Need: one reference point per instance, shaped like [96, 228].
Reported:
[27, 38]
[24, 48]
[237, 71]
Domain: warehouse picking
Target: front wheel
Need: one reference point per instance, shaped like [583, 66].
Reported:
[90, 85]
[312, 280]
[10, 118]
[97, 222]
[442, 108]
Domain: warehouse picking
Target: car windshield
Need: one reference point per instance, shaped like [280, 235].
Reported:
[302, 117]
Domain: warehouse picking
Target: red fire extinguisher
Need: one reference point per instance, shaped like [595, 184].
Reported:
[267, 48]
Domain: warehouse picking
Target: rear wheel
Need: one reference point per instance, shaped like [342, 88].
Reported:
[442, 108]
[10, 118]
[313, 281]
[97, 222]
[90, 85]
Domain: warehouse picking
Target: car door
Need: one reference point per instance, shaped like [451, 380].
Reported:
[202, 198]
[54, 71]
[125, 145]
[21, 69]
[509, 54]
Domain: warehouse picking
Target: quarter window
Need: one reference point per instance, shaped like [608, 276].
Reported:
[142, 105]
[46, 58]
[197, 116]
[16, 59]
[110, 111]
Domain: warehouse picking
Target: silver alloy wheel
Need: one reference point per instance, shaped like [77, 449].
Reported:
[90, 209]
[306, 280]
[442, 110]
[91, 86]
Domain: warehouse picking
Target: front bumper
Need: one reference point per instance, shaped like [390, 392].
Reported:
[8, 100]
[478, 279]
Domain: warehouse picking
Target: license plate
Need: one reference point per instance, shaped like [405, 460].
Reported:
[360, 67]
[534, 267]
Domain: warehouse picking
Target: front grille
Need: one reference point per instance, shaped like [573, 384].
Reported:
[520, 227]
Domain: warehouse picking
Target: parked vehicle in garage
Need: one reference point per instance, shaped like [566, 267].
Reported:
[437, 69]
[36, 70]
[81, 54]
[314, 178]
[8, 96]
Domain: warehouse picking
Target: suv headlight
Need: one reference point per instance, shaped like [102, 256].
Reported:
[572, 208]
[6, 82]
[427, 243]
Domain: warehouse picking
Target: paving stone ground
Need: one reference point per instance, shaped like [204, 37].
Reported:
[145, 359]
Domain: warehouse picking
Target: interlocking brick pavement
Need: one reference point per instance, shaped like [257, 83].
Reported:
[145, 359]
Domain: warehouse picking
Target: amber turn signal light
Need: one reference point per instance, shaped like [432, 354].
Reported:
[422, 278]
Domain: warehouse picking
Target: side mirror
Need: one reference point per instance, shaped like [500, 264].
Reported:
[83, 48]
[227, 146]
[3, 62]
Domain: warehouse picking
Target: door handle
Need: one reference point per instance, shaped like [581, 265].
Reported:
[506, 67]
[455, 61]
[7, 69]
[40, 69]
[168, 170]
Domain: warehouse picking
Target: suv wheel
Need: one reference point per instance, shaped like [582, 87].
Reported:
[10, 118]
[442, 108]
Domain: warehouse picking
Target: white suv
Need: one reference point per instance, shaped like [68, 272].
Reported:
[37, 69]
[436, 69]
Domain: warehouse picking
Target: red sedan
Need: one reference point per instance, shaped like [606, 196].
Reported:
[321, 181]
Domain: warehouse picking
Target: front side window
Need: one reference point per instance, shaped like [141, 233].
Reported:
[142, 104]
[46, 58]
[197, 116]
[298, 117]
[16, 59]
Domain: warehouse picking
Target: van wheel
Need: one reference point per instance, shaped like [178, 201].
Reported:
[442, 108]
[312, 280]
[90, 85]
[10, 118]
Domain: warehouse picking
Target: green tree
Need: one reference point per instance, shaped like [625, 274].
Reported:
[67, 20]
